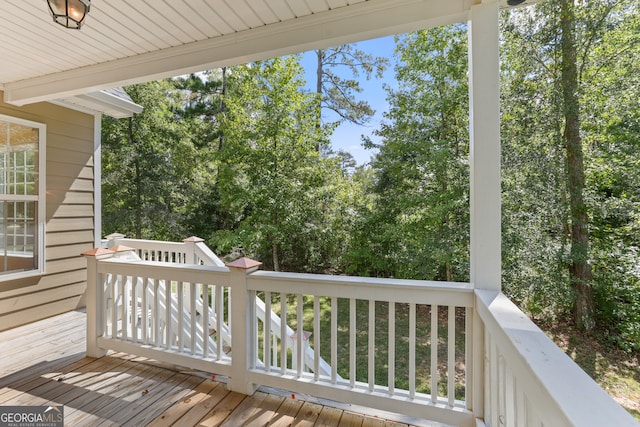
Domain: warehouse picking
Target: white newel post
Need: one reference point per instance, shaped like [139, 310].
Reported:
[190, 258]
[485, 192]
[243, 325]
[113, 238]
[95, 301]
[190, 245]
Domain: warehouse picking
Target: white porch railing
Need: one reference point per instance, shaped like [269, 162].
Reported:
[529, 381]
[467, 356]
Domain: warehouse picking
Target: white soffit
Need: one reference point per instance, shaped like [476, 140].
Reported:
[131, 41]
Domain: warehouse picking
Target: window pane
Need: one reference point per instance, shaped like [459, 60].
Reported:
[18, 159]
[4, 135]
[19, 144]
[18, 237]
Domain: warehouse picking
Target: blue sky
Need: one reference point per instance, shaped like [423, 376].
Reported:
[347, 137]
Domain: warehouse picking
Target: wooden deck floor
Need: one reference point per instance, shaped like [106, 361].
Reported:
[45, 363]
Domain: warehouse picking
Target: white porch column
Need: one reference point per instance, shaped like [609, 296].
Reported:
[97, 179]
[484, 105]
[243, 326]
[484, 126]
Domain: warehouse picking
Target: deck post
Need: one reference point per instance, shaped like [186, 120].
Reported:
[243, 326]
[190, 244]
[95, 301]
[113, 238]
[190, 258]
[485, 191]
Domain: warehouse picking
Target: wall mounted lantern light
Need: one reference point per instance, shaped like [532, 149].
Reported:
[69, 13]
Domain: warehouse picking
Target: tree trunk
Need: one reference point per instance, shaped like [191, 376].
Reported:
[320, 54]
[579, 268]
[137, 183]
[276, 260]
[223, 107]
[319, 71]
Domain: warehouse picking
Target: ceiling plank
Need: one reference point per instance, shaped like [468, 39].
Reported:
[281, 9]
[317, 6]
[157, 19]
[200, 15]
[336, 3]
[242, 9]
[137, 26]
[262, 9]
[299, 8]
[176, 16]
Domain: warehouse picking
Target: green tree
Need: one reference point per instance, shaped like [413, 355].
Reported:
[202, 111]
[555, 61]
[418, 222]
[148, 162]
[579, 267]
[338, 93]
[271, 175]
[612, 134]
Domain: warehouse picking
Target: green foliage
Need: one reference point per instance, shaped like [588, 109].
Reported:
[536, 218]
[615, 178]
[337, 90]
[417, 222]
[147, 165]
[285, 193]
[535, 204]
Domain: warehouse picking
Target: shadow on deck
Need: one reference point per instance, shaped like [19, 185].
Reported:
[44, 363]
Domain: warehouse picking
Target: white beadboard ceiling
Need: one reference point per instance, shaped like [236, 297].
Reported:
[129, 41]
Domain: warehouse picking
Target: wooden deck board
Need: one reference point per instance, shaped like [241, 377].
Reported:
[372, 422]
[243, 413]
[149, 406]
[221, 411]
[195, 399]
[329, 417]
[116, 398]
[350, 419]
[286, 413]
[45, 363]
[308, 415]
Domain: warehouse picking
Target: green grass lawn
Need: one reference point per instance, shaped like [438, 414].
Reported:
[616, 371]
[401, 361]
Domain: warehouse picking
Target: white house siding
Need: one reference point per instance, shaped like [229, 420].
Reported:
[69, 219]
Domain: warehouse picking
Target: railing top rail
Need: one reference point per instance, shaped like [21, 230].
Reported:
[207, 254]
[561, 389]
[149, 244]
[197, 247]
[362, 281]
[164, 270]
[395, 290]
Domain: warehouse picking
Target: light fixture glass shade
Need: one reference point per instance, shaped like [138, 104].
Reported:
[69, 13]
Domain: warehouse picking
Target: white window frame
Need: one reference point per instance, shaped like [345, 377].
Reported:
[41, 199]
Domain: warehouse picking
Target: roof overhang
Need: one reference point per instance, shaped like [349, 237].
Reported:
[102, 102]
[109, 52]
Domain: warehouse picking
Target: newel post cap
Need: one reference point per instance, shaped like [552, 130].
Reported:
[244, 263]
[194, 239]
[114, 236]
[97, 252]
